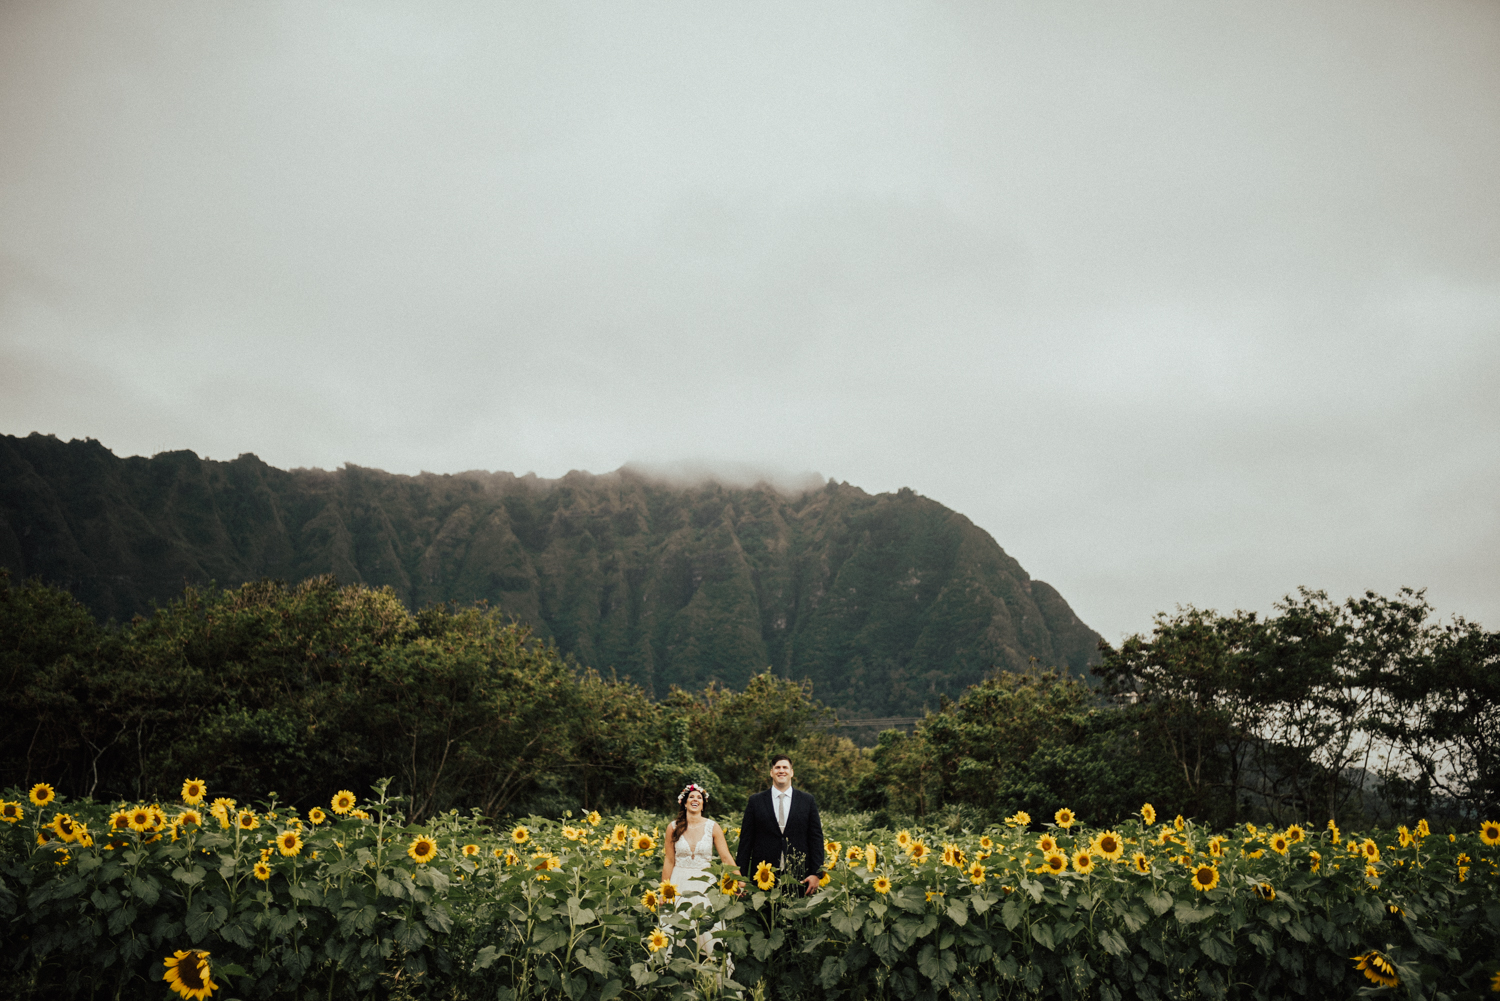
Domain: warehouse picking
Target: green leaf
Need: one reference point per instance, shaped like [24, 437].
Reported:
[1189, 913]
[958, 911]
[1217, 949]
[1042, 932]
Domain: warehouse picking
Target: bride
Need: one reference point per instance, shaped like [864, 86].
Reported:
[692, 841]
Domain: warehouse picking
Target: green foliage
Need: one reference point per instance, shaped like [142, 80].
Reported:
[1035, 739]
[1362, 709]
[374, 906]
[268, 686]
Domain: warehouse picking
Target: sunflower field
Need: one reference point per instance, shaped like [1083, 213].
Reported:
[210, 898]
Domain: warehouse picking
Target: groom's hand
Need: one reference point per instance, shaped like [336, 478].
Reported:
[812, 885]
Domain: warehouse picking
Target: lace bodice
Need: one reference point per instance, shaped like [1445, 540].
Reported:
[696, 857]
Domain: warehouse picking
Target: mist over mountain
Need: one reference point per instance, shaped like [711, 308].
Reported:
[884, 601]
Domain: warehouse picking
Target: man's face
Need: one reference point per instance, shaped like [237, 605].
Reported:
[781, 773]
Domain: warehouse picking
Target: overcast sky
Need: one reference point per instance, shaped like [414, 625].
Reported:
[1184, 304]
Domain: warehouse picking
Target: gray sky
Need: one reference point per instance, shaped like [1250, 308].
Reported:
[1184, 304]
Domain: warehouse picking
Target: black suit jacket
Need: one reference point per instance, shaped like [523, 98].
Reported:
[761, 840]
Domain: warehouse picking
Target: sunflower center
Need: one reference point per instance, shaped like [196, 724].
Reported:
[190, 971]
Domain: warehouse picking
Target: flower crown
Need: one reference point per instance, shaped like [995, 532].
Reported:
[692, 787]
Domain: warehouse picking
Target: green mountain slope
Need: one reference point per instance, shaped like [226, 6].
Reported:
[885, 601]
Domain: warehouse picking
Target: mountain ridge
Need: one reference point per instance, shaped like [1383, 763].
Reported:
[887, 602]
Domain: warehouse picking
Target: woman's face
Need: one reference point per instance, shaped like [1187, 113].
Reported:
[694, 802]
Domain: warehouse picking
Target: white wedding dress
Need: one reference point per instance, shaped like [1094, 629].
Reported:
[693, 879]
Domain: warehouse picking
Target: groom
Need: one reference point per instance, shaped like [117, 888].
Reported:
[779, 823]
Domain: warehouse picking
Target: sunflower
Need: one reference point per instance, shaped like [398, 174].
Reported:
[903, 838]
[1047, 843]
[1265, 891]
[1178, 822]
[1083, 861]
[41, 794]
[1489, 832]
[1109, 846]
[422, 849]
[221, 808]
[1279, 844]
[1372, 851]
[1055, 863]
[987, 843]
[1377, 968]
[869, 858]
[1064, 818]
[1422, 829]
[11, 812]
[343, 802]
[649, 900]
[832, 849]
[1019, 819]
[657, 940]
[189, 817]
[1317, 860]
[247, 820]
[1148, 814]
[546, 862]
[855, 854]
[1216, 847]
[262, 871]
[918, 851]
[1404, 838]
[193, 791]
[62, 825]
[952, 856]
[1333, 832]
[765, 876]
[728, 884]
[520, 835]
[1295, 834]
[669, 892]
[510, 858]
[976, 874]
[1205, 877]
[316, 816]
[188, 974]
[644, 843]
[1142, 863]
[882, 885]
[1494, 981]
[289, 843]
[471, 850]
[360, 815]
[1164, 835]
[119, 820]
[571, 833]
[593, 818]
[618, 836]
[1371, 872]
[139, 819]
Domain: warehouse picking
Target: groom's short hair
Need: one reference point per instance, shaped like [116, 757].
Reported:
[781, 757]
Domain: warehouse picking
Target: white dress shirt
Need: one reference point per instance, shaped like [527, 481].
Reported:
[782, 801]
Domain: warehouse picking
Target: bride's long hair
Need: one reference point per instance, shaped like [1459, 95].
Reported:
[679, 826]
